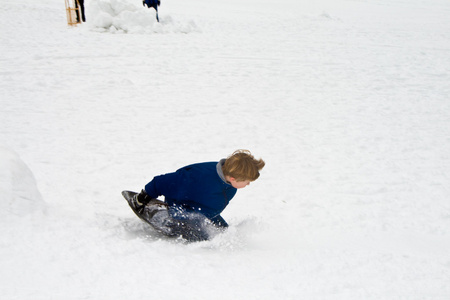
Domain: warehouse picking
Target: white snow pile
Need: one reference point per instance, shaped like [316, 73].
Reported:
[20, 195]
[128, 16]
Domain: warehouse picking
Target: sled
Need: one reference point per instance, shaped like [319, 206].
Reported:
[156, 215]
[72, 12]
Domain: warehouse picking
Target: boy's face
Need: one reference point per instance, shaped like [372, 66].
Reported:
[238, 184]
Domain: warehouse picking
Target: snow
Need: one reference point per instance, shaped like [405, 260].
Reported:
[125, 16]
[346, 101]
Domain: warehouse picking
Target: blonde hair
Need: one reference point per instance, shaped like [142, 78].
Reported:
[242, 166]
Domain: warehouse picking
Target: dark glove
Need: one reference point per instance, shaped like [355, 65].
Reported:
[143, 198]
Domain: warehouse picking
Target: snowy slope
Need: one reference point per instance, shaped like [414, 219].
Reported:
[346, 101]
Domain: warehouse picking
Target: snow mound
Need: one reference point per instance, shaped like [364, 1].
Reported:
[20, 195]
[129, 16]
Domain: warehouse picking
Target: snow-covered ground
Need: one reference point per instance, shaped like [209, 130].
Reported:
[347, 102]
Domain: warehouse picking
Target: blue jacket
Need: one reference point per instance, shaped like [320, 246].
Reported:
[199, 187]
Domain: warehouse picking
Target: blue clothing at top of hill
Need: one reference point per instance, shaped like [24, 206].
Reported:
[152, 3]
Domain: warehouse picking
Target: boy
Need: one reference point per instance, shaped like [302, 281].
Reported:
[196, 193]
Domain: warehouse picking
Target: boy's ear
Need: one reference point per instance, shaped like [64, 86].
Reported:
[231, 179]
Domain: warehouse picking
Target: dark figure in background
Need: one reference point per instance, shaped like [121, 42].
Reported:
[81, 2]
[154, 4]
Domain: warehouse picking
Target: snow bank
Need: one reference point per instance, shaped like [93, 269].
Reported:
[128, 16]
[20, 195]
